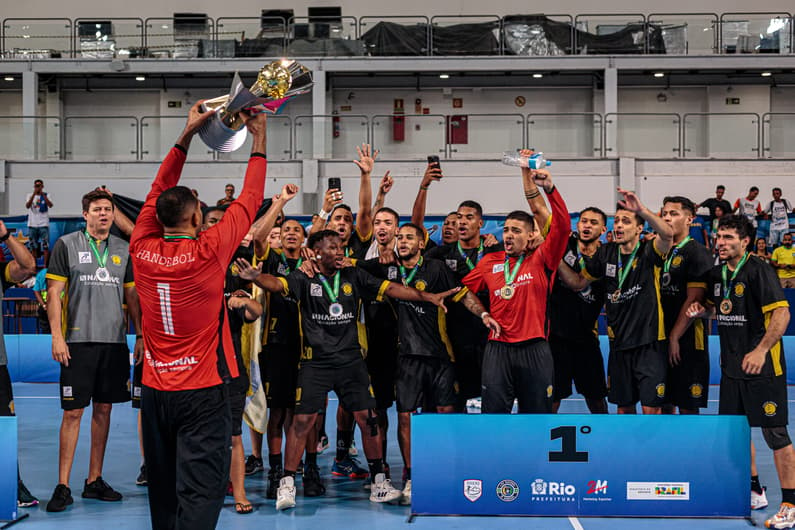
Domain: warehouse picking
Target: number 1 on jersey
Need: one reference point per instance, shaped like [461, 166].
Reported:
[164, 292]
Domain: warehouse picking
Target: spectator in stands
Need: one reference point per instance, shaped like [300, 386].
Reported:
[717, 201]
[760, 250]
[230, 196]
[713, 229]
[784, 261]
[749, 206]
[38, 205]
[778, 212]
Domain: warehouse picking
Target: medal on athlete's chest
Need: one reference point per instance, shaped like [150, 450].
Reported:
[102, 274]
[335, 309]
[725, 307]
[507, 292]
[509, 274]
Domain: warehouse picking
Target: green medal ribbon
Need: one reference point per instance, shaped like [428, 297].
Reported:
[170, 238]
[727, 290]
[622, 274]
[510, 275]
[332, 294]
[101, 261]
[467, 258]
[674, 252]
[407, 279]
[287, 265]
[347, 252]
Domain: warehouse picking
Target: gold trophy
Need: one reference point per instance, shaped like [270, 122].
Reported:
[277, 83]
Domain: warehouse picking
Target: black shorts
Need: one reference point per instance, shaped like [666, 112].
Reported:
[579, 361]
[469, 370]
[237, 402]
[137, 385]
[688, 381]
[425, 382]
[6, 393]
[382, 365]
[637, 374]
[97, 371]
[279, 369]
[763, 400]
[524, 371]
[349, 380]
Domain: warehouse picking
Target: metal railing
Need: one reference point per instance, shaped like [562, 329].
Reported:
[670, 33]
[412, 136]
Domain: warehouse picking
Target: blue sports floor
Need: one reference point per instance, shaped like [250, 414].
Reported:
[345, 505]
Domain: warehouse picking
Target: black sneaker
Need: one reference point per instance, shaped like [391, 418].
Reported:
[61, 498]
[274, 476]
[100, 490]
[24, 498]
[300, 469]
[141, 480]
[254, 465]
[313, 486]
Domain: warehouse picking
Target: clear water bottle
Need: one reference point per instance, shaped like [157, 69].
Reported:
[534, 161]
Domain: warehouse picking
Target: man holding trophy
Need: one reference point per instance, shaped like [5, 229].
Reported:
[189, 355]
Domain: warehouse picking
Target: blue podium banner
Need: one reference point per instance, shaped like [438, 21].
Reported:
[8, 468]
[580, 465]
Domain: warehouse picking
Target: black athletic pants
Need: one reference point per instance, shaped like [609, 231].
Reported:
[187, 442]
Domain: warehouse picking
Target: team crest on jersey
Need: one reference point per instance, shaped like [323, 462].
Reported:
[420, 285]
[115, 259]
[391, 273]
[233, 269]
[610, 270]
[315, 290]
[660, 390]
[451, 264]
[770, 408]
[84, 257]
[739, 290]
[549, 391]
[347, 289]
[696, 390]
[676, 262]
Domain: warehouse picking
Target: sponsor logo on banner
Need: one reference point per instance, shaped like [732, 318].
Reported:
[596, 491]
[507, 490]
[543, 491]
[658, 491]
[473, 489]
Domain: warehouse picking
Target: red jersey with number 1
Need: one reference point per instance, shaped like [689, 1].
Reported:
[180, 283]
[524, 316]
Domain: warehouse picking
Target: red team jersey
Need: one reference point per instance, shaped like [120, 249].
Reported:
[524, 316]
[181, 285]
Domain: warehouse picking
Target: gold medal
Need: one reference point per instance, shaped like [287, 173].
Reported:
[616, 294]
[506, 293]
[726, 307]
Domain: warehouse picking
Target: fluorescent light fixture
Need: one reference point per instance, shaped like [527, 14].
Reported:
[444, 76]
[140, 78]
[659, 74]
[9, 78]
[766, 74]
[538, 76]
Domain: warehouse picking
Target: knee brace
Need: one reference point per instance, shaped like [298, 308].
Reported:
[776, 437]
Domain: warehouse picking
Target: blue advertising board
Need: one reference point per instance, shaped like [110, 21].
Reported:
[8, 468]
[580, 465]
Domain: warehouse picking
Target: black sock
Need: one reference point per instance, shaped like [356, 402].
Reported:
[289, 473]
[383, 448]
[408, 473]
[755, 485]
[376, 466]
[311, 459]
[275, 461]
[344, 440]
[788, 495]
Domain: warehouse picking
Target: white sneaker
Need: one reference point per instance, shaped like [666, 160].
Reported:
[285, 495]
[785, 518]
[382, 490]
[758, 501]
[405, 500]
[352, 451]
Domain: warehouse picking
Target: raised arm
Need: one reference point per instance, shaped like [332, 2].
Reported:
[531, 193]
[383, 189]
[554, 245]
[665, 234]
[24, 264]
[432, 174]
[330, 199]
[262, 226]
[364, 217]
[122, 222]
[168, 175]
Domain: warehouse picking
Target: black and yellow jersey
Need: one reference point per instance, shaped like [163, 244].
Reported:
[281, 313]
